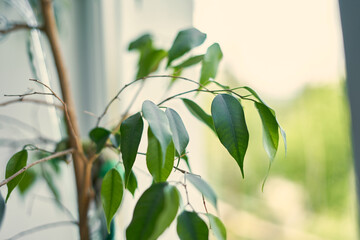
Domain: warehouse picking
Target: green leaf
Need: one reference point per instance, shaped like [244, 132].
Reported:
[217, 227]
[283, 134]
[203, 187]
[154, 159]
[16, 163]
[159, 125]
[179, 134]
[154, 212]
[184, 42]
[111, 194]
[145, 41]
[199, 113]
[210, 63]
[150, 61]
[270, 130]
[132, 182]
[99, 136]
[131, 131]
[2, 209]
[230, 125]
[172, 201]
[189, 62]
[27, 182]
[191, 227]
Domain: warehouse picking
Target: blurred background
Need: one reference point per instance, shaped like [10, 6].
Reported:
[291, 52]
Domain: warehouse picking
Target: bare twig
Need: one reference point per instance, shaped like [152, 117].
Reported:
[76, 137]
[19, 26]
[26, 94]
[141, 79]
[42, 227]
[58, 154]
[126, 112]
[37, 101]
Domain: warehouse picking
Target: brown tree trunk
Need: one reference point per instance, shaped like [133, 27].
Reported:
[82, 165]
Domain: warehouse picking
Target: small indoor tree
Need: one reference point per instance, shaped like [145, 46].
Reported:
[102, 181]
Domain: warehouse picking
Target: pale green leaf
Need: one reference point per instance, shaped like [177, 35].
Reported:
[111, 194]
[210, 63]
[283, 134]
[270, 130]
[159, 125]
[154, 158]
[179, 134]
[217, 227]
[230, 125]
[203, 187]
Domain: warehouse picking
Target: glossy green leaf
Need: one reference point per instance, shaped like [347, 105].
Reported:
[191, 227]
[217, 227]
[230, 125]
[131, 131]
[16, 163]
[203, 187]
[159, 125]
[2, 209]
[149, 62]
[199, 113]
[132, 182]
[27, 182]
[154, 158]
[111, 194]
[179, 134]
[154, 212]
[189, 62]
[144, 41]
[184, 42]
[270, 129]
[283, 134]
[171, 204]
[210, 63]
[99, 136]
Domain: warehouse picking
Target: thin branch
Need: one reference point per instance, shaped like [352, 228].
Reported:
[42, 227]
[22, 99]
[77, 139]
[140, 79]
[177, 95]
[26, 94]
[126, 112]
[19, 26]
[58, 154]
